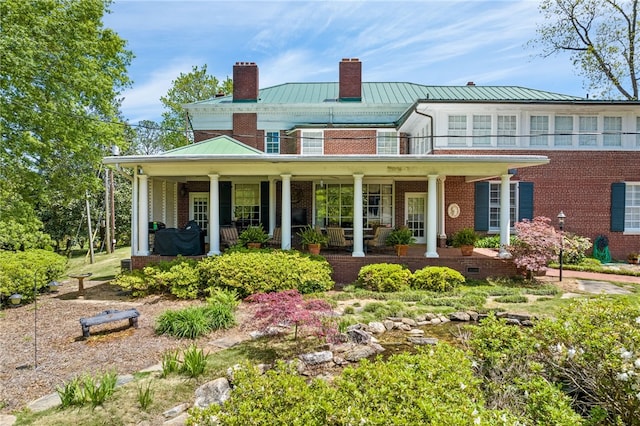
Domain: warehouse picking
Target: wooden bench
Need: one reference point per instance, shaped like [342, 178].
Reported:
[110, 315]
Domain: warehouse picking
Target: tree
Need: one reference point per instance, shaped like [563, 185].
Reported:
[149, 138]
[601, 37]
[192, 87]
[536, 245]
[61, 74]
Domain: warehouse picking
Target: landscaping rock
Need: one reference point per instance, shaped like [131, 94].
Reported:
[356, 353]
[178, 421]
[376, 327]
[358, 336]
[214, 392]
[173, 412]
[315, 358]
[422, 340]
[416, 332]
[409, 321]
[459, 316]
[388, 324]
[474, 315]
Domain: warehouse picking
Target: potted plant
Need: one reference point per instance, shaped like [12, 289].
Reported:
[465, 239]
[253, 237]
[400, 238]
[633, 257]
[312, 238]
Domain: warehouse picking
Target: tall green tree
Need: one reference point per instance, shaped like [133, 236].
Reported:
[62, 73]
[601, 36]
[191, 87]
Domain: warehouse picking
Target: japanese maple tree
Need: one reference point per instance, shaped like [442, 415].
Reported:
[537, 244]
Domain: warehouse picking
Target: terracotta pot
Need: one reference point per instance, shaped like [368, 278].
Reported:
[466, 250]
[313, 248]
[253, 245]
[402, 249]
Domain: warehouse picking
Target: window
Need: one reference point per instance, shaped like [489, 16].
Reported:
[612, 128]
[481, 130]
[563, 130]
[632, 207]
[457, 130]
[246, 201]
[272, 143]
[377, 204]
[506, 130]
[539, 130]
[494, 205]
[588, 128]
[387, 143]
[419, 143]
[334, 204]
[312, 143]
[199, 208]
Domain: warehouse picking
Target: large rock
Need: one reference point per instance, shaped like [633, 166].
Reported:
[214, 392]
[377, 327]
[358, 352]
[459, 316]
[422, 340]
[358, 336]
[315, 358]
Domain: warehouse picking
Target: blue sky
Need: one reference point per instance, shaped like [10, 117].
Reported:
[432, 42]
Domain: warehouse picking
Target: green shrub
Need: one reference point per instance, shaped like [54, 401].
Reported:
[145, 396]
[492, 241]
[436, 278]
[195, 321]
[512, 298]
[194, 362]
[19, 271]
[170, 362]
[575, 248]
[87, 389]
[261, 272]
[220, 296]
[179, 277]
[384, 277]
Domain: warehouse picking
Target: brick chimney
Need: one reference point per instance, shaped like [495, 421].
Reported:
[350, 80]
[245, 82]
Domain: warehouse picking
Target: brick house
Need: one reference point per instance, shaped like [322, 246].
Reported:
[361, 154]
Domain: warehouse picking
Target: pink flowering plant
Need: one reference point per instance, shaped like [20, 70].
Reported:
[289, 308]
[537, 244]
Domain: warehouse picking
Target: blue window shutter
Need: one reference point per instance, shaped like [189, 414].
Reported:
[224, 189]
[525, 200]
[617, 206]
[264, 205]
[482, 206]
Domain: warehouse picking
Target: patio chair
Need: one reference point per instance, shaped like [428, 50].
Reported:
[337, 239]
[379, 240]
[228, 236]
[276, 240]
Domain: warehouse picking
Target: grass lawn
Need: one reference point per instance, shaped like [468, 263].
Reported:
[105, 266]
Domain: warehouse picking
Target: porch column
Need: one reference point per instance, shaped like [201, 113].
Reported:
[357, 216]
[272, 205]
[134, 214]
[442, 233]
[285, 221]
[214, 215]
[432, 217]
[505, 216]
[143, 215]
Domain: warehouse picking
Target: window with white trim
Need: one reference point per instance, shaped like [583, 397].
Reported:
[539, 130]
[387, 143]
[272, 142]
[312, 143]
[494, 205]
[199, 209]
[612, 131]
[588, 128]
[563, 130]
[457, 130]
[334, 204]
[377, 204]
[246, 204]
[632, 207]
[506, 130]
[481, 130]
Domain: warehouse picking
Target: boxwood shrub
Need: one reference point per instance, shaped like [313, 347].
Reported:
[384, 277]
[18, 270]
[436, 278]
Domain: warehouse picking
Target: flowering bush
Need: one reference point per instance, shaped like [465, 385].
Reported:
[536, 245]
[575, 248]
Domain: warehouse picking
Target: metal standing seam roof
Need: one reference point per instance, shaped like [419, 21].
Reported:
[394, 93]
[221, 145]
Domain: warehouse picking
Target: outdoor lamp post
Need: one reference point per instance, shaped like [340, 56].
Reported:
[561, 217]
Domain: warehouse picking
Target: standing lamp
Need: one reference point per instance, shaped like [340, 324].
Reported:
[561, 217]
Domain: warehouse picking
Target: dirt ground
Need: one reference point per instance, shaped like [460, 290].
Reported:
[62, 353]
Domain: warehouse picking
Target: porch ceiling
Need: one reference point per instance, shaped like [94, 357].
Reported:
[405, 166]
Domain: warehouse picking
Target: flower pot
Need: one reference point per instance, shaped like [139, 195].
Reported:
[253, 245]
[314, 248]
[466, 250]
[633, 261]
[402, 249]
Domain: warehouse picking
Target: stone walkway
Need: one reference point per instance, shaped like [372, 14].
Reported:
[595, 276]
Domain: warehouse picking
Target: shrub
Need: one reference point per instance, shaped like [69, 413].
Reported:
[19, 270]
[253, 234]
[512, 298]
[194, 362]
[464, 237]
[575, 248]
[179, 277]
[87, 389]
[195, 321]
[250, 273]
[493, 241]
[384, 277]
[536, 245]
[436, 278]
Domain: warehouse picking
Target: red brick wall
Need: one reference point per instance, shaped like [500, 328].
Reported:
[349, 142]
[245, 81]
[245, 129]
[350, 85]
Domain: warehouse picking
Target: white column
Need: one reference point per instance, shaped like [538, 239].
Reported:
[442, 210]
[134, 214]
[286, 212]
[432, 217]
[143, 215]
[357, 216]
[505, 216]
[214, 215]
[272, 205]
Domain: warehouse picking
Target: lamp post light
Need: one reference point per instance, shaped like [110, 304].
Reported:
[561, 217]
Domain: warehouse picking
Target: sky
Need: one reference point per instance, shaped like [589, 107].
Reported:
[431, 42]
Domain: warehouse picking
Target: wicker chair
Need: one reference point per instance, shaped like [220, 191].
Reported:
[379, 240]
[228, 236]
[276, 240]
[337, 240]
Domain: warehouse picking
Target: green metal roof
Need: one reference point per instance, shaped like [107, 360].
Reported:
[221, 145]
[396, 93]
